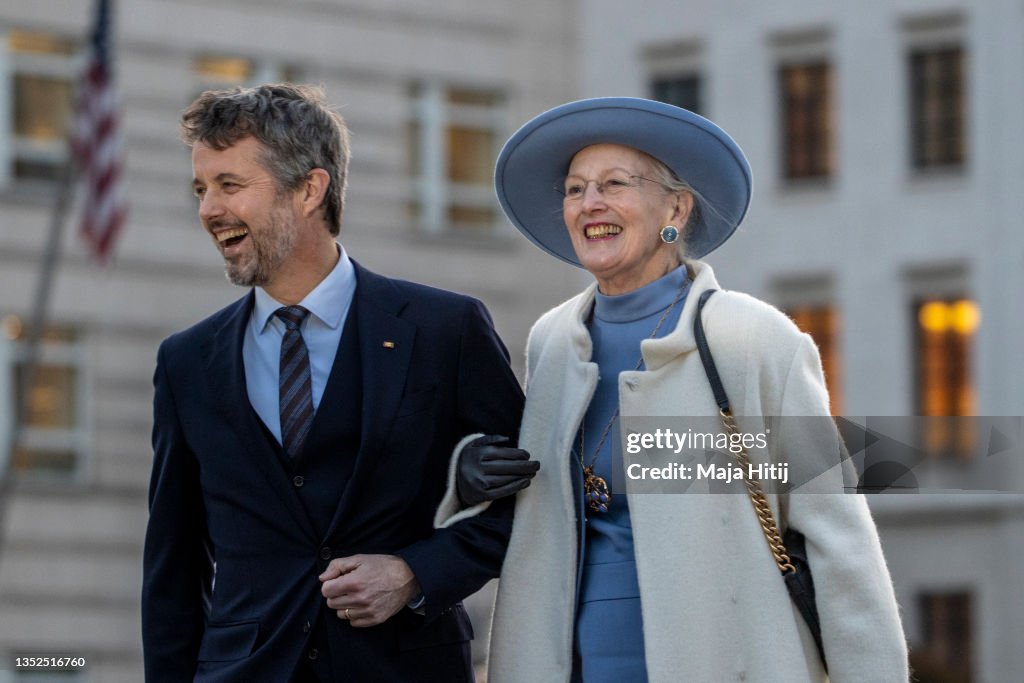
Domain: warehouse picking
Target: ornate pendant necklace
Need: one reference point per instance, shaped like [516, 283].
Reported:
[595, 488]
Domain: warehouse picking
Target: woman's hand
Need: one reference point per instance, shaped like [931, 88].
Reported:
[490, 469]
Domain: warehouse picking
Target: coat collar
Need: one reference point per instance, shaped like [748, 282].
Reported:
[656, 352]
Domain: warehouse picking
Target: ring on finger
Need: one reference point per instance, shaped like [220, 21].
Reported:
[347, 617]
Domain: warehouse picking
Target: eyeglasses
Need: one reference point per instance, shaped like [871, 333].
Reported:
[573, 189]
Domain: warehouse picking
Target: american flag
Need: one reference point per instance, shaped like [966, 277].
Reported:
[96, 142]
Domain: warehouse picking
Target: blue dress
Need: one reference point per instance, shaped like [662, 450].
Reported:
[609, 639]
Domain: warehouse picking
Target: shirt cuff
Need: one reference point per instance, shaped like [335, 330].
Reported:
[416, 604]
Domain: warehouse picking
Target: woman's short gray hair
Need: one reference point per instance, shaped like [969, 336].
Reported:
[665, 177]
[293, 123]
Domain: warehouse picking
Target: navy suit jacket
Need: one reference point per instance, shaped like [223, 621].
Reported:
[221, 498]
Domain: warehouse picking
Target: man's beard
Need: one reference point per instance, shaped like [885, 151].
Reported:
[271, 246]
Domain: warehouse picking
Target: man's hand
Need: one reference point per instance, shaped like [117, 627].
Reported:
[368, 589]
[488, 470]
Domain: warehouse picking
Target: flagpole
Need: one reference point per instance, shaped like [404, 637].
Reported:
[89, 143]
[31, 347]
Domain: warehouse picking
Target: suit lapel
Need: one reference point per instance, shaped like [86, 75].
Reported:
[225, 371]
[385, 346]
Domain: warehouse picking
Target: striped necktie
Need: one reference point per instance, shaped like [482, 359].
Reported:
[296, 385]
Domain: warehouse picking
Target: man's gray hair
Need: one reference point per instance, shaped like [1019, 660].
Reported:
[297, 129]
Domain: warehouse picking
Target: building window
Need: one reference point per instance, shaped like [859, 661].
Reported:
[937, 107]
[947, 651]
[680, 90]
[54, 435]
[454, 137]
[807, 120]
[945, 334]
[226, 71]
[223, 70]
[675, 70]
[38, 89]
[821, 321]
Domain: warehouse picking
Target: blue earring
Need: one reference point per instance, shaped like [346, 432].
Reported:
[669, 234]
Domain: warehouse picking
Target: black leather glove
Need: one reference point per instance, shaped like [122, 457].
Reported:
[489, 470]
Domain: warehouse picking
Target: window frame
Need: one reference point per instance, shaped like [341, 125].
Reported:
[929, 34]
[818, 142]
[13, 148]
[816, 292]
[922, 135]
[693, 80]
[677, 62]
[77, 439]
[804, 48]
[942, 434]
[828, 342]
[931, 641]
[431, 188]
[260, 71]
[940, 282]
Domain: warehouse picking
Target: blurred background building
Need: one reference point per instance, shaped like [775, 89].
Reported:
[886, 143]
[430, 91]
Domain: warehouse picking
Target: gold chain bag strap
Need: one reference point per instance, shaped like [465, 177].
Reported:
[790, 553]
[760, 501]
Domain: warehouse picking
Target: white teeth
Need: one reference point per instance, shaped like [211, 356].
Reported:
[603, 230]
[229, 234]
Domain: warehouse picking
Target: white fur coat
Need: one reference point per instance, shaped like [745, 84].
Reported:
[714, 605]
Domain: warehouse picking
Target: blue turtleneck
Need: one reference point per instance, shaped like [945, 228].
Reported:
[609, 629]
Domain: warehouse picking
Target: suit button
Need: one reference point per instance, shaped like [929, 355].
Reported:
[325, 553]
[305, 627]
[313, 653]
[298, 481]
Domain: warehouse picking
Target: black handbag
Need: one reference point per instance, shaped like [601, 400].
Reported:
[790, 552]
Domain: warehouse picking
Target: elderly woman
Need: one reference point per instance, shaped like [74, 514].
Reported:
[601, 584]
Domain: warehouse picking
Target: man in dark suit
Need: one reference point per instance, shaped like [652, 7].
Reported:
[303, 434]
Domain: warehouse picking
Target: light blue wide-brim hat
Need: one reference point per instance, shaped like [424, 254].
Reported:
[536, 159]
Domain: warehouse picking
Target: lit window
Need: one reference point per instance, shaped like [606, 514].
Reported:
[54, 437]
[454, 136]
[42, 68]
[806, 91]
[681, 90]
[937, 107]
[226, 71]
[947, 650]
[220, 70]
[822, 323]
[945, 335]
